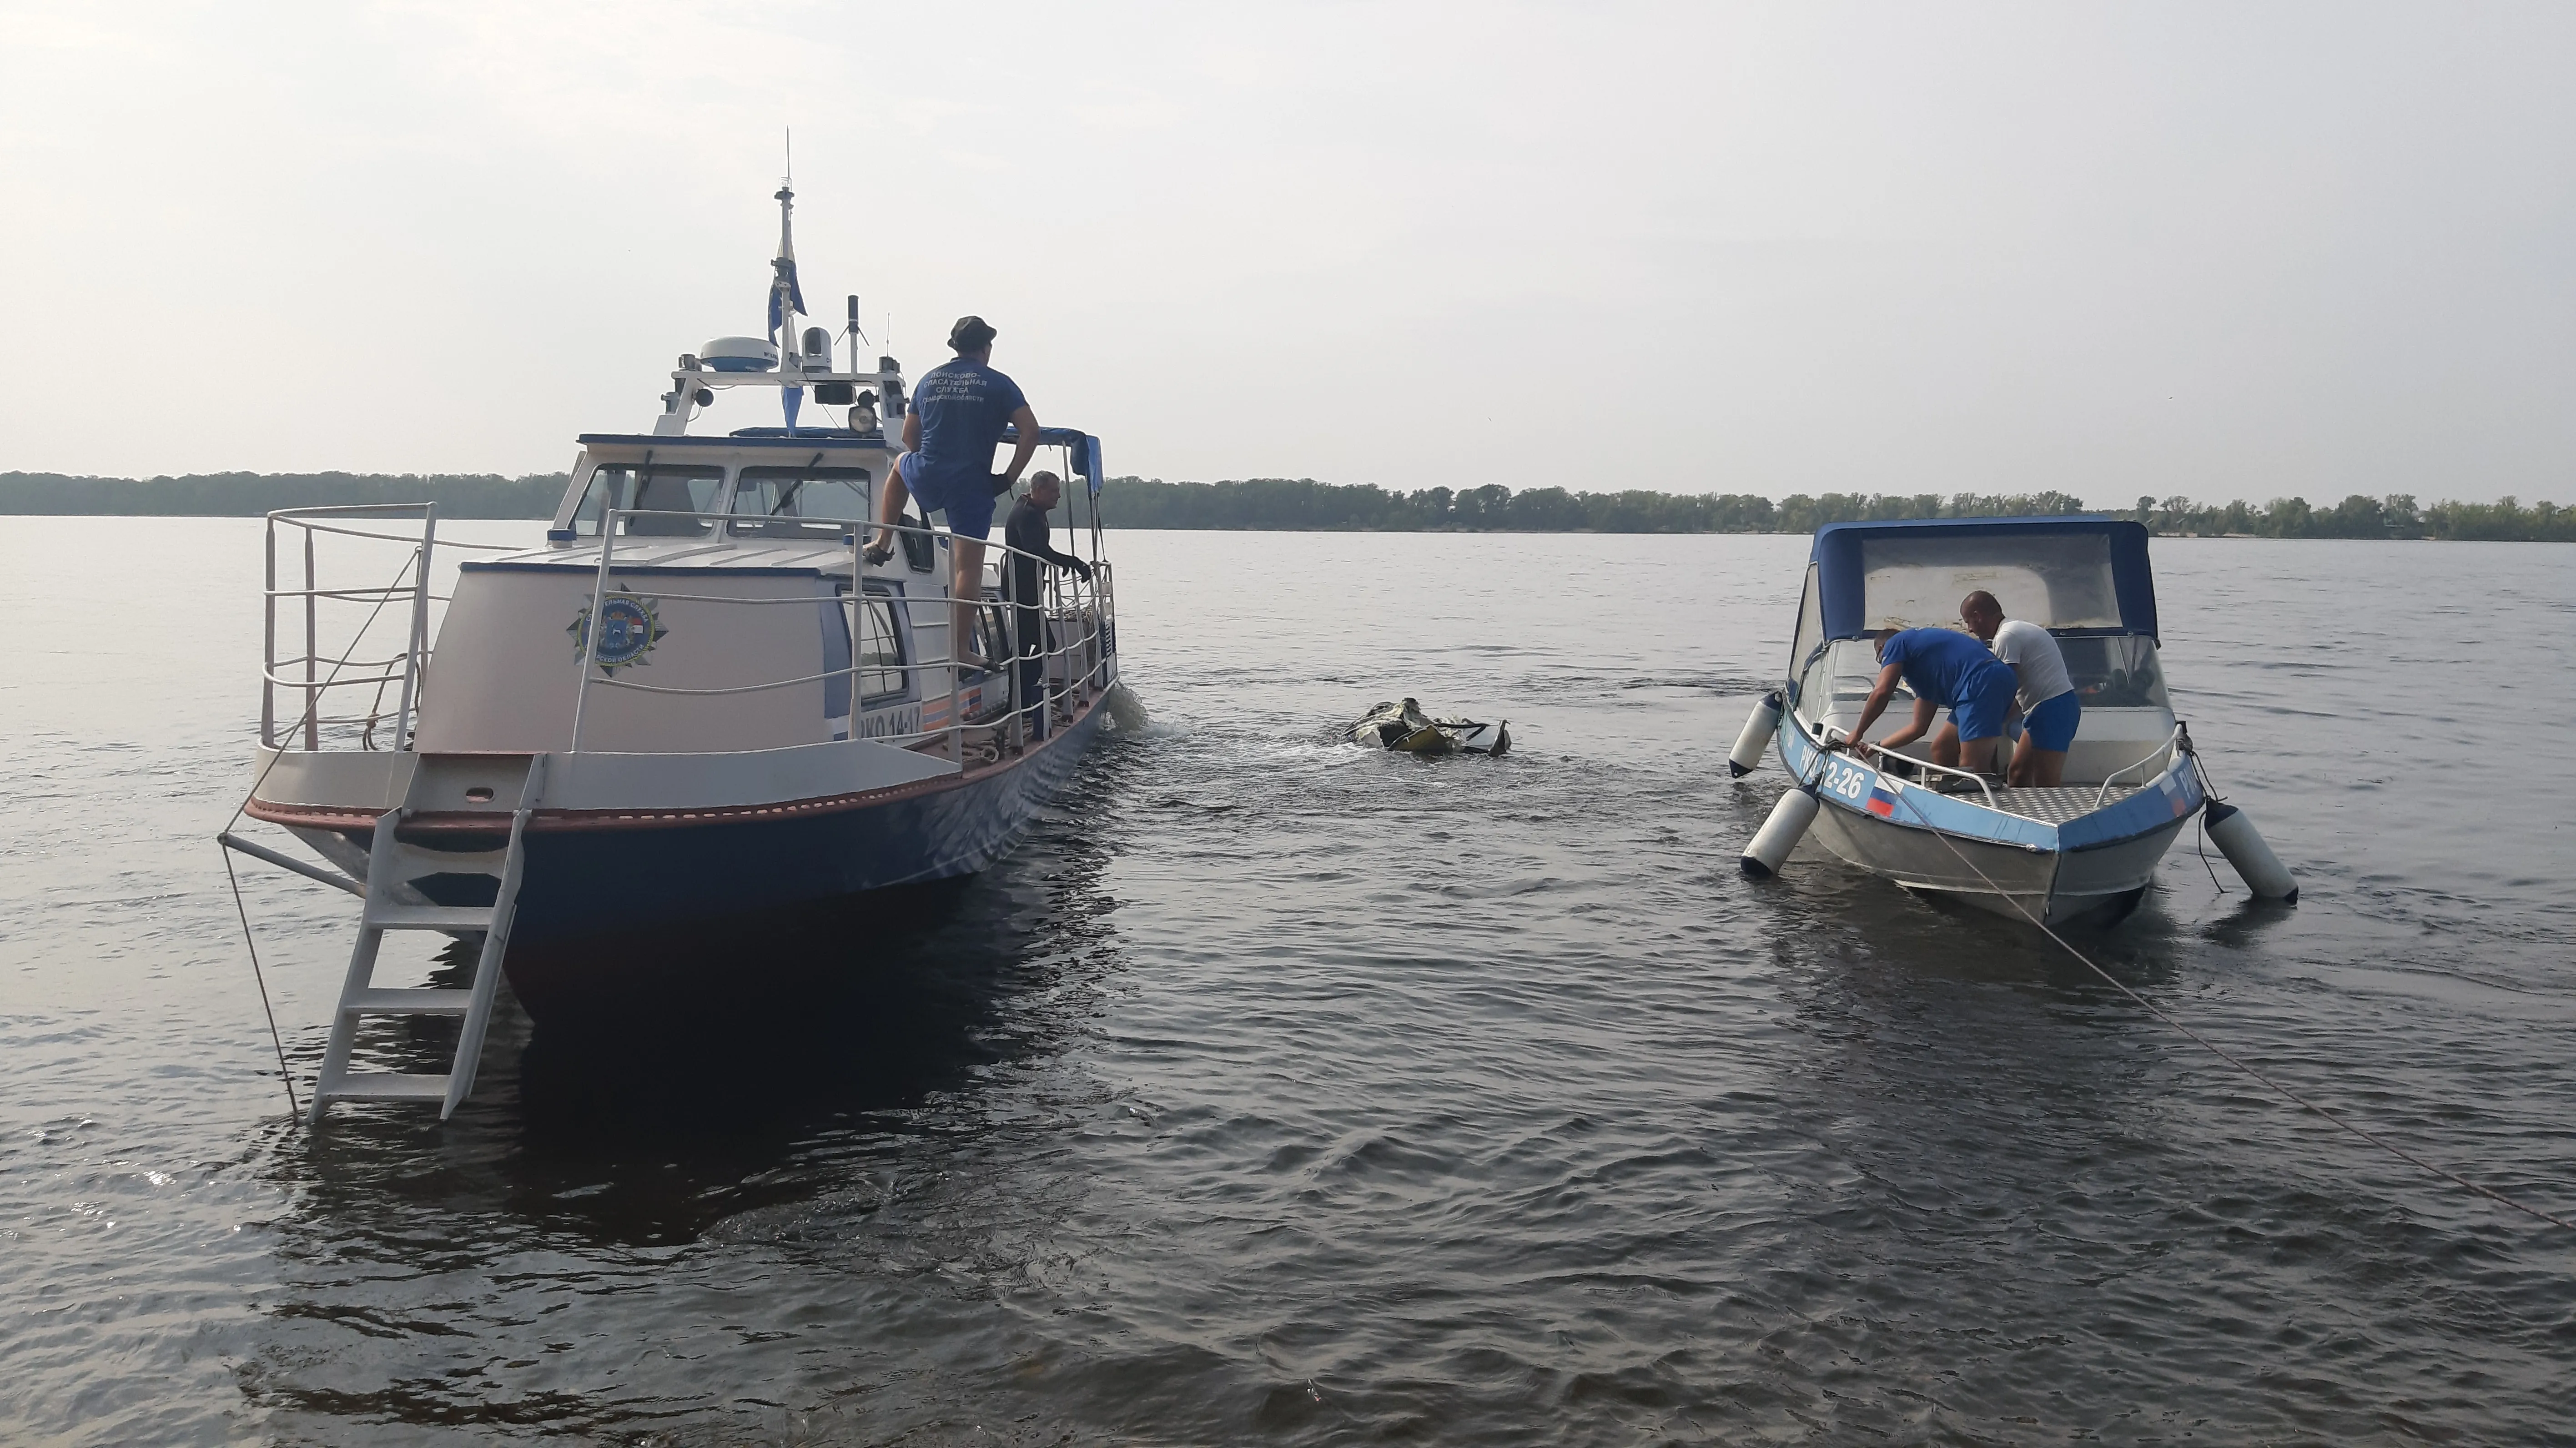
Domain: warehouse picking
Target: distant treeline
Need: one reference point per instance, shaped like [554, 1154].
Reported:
[1304, 505]
[2394, 516]
[247, 495]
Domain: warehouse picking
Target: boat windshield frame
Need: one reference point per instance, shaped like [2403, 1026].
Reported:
[2076, 575]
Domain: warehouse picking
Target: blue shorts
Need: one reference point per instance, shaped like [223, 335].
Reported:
[1981, 715]
[2050, 726]
[968, 501]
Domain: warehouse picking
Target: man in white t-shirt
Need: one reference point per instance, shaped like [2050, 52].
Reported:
[2048, 707]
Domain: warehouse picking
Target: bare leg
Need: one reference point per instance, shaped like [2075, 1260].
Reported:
[1945, 746]
[889, 508]
[1977, 756]
[2047, 766]
[965, 593]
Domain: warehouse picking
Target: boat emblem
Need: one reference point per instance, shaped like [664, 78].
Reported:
[629, 626]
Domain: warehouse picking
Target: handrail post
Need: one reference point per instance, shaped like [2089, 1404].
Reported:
[412, 656]
[1018, 646]
[956, 709]
[1019, 724]
[268, 647]
[1106, 591]
[312, 651]
[590, 636]
[858, 619]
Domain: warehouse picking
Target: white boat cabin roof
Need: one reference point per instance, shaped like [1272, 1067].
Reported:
[759, 498]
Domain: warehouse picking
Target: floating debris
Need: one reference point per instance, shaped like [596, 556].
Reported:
[1405, 727]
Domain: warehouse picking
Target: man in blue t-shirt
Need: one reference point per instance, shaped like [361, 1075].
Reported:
[1946, 669]
[957, 415]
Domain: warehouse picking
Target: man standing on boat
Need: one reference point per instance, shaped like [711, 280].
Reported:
[957, 415]
[1027, 534]
[2049, 711]
[1946, 669]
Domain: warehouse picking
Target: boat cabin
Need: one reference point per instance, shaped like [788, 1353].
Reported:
[712, 536]
[2084, 579]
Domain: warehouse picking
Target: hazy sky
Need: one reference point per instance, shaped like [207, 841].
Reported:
[2223, 250]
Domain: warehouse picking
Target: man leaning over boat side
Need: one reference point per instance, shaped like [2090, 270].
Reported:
[958, 411]
[1027, 535]
[2046, 692]
[1946, 669]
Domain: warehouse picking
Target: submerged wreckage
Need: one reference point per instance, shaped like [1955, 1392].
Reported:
[1405, 727]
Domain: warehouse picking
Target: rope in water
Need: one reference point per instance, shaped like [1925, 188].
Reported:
[2213, 1047]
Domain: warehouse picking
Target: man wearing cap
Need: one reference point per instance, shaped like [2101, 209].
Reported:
[957, 415]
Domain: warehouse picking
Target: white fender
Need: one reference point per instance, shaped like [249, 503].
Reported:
[1779, 834]
[1756, 736]
[2264, 873]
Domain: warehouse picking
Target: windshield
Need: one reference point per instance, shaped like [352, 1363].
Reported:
[2057, 581]
[798, 502]
[2119, 672]
[667, 489]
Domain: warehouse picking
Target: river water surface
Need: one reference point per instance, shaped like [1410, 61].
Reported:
[1281, 1091]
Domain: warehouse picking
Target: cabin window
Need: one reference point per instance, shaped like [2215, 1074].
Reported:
[991, 634]
[667, 490]
[799, 502]
[1811, 631]
[2115, 672]
[2054, 580]
[881, 673]
[1847, 671]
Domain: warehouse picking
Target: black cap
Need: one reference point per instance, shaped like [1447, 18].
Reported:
[971, 334]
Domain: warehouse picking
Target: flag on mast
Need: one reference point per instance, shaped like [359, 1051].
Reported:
[783, 285]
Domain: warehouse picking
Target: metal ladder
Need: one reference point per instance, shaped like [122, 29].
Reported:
[447, 783]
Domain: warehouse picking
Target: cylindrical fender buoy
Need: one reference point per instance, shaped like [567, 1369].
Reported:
[1779, 834]
[1756, 736]
[2264, 873]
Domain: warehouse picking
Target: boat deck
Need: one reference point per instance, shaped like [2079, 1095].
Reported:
[2056, 804]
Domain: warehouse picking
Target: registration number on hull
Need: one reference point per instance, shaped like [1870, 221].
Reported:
[1858, 787]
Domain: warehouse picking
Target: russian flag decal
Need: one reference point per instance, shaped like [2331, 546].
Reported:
[1880, 802]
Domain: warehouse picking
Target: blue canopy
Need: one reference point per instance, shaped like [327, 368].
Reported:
[2076, 573]
[1086, 449]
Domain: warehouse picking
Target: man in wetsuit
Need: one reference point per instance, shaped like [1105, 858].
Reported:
[957, 415]
[1946, 669]
[1027, 534]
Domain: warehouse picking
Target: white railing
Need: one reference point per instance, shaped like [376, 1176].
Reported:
[409, 586]
[2163, 751]
[1832, 735]
[1084, 649]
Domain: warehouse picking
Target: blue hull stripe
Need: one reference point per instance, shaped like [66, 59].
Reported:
[2173, 795]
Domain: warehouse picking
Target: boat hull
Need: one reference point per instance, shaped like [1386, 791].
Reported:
[2018, 882]
[2010, 865]
[642, 912]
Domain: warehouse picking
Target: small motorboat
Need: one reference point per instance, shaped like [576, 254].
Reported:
[1404, 727]
[2085, 848]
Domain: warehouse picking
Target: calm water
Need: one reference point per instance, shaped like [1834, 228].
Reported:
[1280, 1091]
